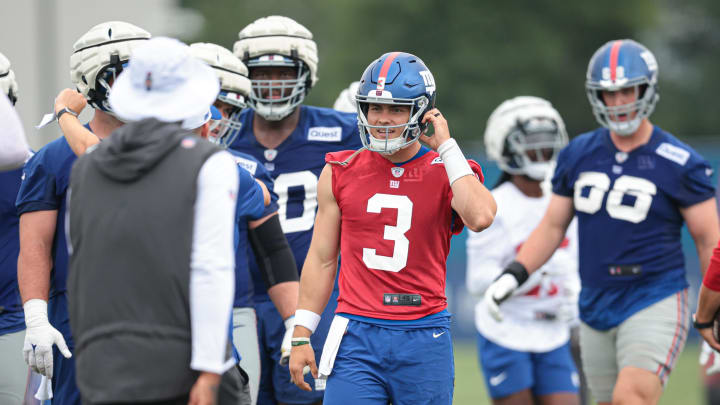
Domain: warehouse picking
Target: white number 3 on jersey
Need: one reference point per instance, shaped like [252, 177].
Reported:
[396, 233]
[643, 190]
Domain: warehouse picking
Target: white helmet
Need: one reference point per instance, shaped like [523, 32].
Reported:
[524, 136]
[99, 56]
[278, 41]
[234, 88]
[8, 85]
[346, 100]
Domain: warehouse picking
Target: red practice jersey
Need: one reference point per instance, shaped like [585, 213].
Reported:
[396, 225]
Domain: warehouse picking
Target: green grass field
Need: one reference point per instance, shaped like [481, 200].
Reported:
[684, 387]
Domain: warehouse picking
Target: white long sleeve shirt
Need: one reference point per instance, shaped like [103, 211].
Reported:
[546, 291]
[212, 263]
[14, 149]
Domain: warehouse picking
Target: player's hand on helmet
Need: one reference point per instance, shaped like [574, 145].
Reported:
[40, 337]
[302, 361]
[286, 345]
[440, 129]
[709, 360]
[70, 99]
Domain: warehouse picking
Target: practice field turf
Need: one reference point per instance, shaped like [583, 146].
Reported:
[684, 387]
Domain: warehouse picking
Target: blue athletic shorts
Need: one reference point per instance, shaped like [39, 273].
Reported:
[376, 365]
[65, 392]
[509, 371]
[275, 385]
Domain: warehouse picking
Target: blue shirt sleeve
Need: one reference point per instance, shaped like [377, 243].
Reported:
[263, 175]
[562, 184]
[250, 201]
[695, 185]
[45, 178]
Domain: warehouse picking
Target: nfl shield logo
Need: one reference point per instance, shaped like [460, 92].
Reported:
[270, 154]
[397, 171]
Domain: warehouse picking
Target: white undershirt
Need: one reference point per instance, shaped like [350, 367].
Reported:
[14, 149]
[212, 263]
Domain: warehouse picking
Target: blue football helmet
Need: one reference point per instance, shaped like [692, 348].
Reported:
[396, 78]
[617, 65]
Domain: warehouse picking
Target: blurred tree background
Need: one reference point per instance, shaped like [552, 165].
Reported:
[483, 52]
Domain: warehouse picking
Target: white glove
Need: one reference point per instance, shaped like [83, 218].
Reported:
[286, 345]
[40, 337]
[709, 360]
[500, 290]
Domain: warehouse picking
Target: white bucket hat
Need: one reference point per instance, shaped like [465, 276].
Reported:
[163, 81]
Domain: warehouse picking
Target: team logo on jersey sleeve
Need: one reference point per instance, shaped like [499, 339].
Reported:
[397, 171]
[436, 161]
[270, 154]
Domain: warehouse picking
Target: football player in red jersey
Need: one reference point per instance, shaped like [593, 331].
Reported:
[390, 210]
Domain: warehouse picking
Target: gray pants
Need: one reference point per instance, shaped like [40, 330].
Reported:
[245, 340]
[13, 370]
[234, 389]
[651, 339]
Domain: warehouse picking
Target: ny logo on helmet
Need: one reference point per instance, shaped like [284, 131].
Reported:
[650, 61]
[429, 81]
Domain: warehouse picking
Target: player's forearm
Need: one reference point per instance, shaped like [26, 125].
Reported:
[285, 297]
[76, 135]
[474, 203]
[540, 245]
[316, 284]
[705, 253]
[37, 231]
[708, 304]
[34, 264]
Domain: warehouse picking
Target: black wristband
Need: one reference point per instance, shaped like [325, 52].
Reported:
[517, 270]
[702, 325]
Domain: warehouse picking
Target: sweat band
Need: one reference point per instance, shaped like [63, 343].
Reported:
[456, 165]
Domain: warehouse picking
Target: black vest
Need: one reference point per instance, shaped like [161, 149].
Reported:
[128, 283]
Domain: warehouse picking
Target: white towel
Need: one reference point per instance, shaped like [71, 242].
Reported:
[44, 390]
[332, 344]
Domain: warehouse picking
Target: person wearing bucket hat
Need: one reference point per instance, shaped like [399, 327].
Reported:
[290, 139]
[151, 216]
[98, 57]
[270, 250]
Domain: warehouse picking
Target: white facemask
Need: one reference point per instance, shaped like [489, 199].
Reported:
[537, 170]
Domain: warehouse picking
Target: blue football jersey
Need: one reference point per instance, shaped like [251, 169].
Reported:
[248, 210]
[629, 221]
[295, 166]
[11, 313]
[45, 180]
